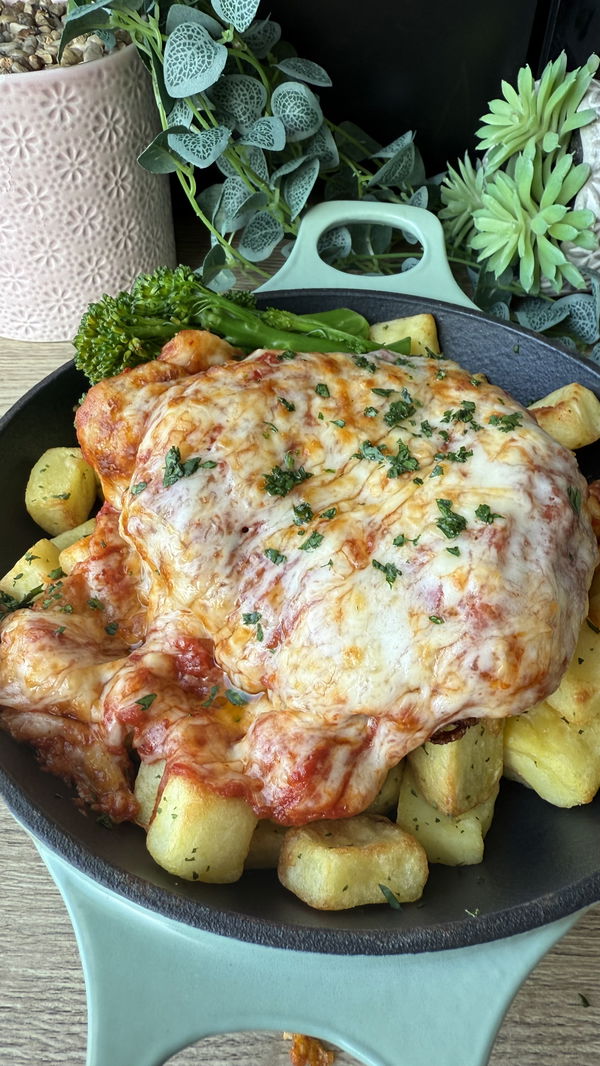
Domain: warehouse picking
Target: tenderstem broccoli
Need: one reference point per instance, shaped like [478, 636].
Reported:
[131, 328]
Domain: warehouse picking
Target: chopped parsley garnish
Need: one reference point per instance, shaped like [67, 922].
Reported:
[287, 354]
[54, 575]
[451, 523]
[435, 618]
[464, 413]
[274, 556]
[441, 374]
[303, 513]
[279, 482]
[286, 403]
[338, 422]
[399, 410]
[329, 513]
[61, 496]
[252, 618]
[370, 451]
[402, 462]
[384, 392]
[322, 390]
[370, 412]
[506, 422]
[485, 514]
[175, 469]
[455, 550]
[574, 498]
[311, 542]
[9, 603]
[389, 569]
[437, 471]
[139, 487]
[390, 898]
[364, 364]
[593, 627]
[426, 429]
[145, 702]
[95, 604]
[460, 456]
[111, 628]
[237, 698]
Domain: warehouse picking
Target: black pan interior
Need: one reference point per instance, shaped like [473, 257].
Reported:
[541, 862]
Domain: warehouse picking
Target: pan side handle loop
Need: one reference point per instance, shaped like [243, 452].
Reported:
[155, 986]
[431, 277]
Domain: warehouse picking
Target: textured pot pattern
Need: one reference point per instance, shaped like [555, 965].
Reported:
[78, 215]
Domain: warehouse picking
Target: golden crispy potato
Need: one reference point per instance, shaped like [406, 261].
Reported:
[75, 553]
[559, 759]
[386, 799]
[421, 329]
[36, 567]
[453, 840]
[458, 775]
[265, 846]
[334, 865]
[577, 698]
[571, 415]
[199, 835]
[147, 784]
[64, 540]
[61, 490]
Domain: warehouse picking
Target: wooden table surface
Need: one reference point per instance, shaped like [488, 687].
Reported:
[554, 1020]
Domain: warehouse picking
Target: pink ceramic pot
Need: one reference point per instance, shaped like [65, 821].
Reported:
[78, 215]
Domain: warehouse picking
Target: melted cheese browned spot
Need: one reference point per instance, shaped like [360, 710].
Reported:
[337, 556]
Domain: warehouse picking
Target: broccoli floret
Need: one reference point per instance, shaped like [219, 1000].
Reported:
[124, 330]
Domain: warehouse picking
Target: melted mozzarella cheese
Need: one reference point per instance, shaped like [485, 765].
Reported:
[337, 556]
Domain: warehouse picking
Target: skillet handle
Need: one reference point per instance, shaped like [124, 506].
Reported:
[155, 986]
[431, 276]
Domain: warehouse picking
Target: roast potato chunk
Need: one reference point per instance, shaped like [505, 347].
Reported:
[70, 536]
[571, 415]
[61, 490]
[458, 775]
[386, 799]
[421, 329]
[558, 758]
[577, 698]
[199, 835]
[147, 785]
[334, 865]
[453, 840]
[36, 567]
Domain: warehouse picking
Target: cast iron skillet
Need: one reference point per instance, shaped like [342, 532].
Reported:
[541, 862]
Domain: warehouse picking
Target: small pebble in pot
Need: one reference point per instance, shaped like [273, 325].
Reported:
[30, 32]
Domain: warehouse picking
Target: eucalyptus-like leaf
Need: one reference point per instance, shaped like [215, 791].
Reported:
[323, 146]
[238, 203]
[238, 12]
[304, 70]
[262, 36]
[396, 172]
[360, 233]
[540, 315]
[222, 281]
[582, 318]
[420, 197]
[341, 184]
[180, 115]
[86, 19]
[212, 264]
[287, 168]
[381, 239]
[335, 243]
[267, 132]
[354, 142]
[298, 108]
[192, 61]
[499, 309]
[179, 13]
[297, 187]
[241, 96]
[108, 39]
[260, 237]
[209, 200]
[203, 148]
[159, 157]
[392, 149]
